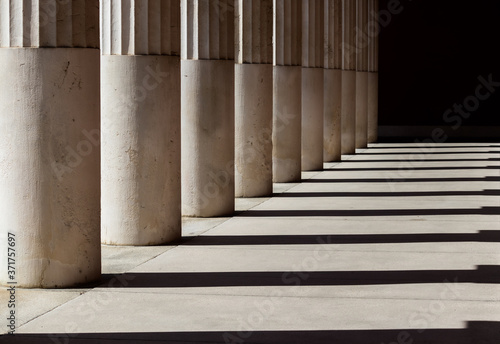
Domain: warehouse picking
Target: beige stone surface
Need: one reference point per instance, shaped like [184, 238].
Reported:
[312, 118]
[253, 130]
[348, 112]
[287, 119]
[207, 137]
[141, 183]
[332, 115]
[361, 109]
[50, 166]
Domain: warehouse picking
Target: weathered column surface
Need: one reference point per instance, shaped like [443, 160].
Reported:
[333, 81]
[140, 86]
[207, 105]
[287, 85]
[362, 42]
[348, 104]
[49, 139]
[373, 31]
[313, 61]
[254, 98]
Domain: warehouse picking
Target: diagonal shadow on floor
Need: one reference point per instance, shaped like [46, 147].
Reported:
[411, 168]
[426, 153]
[433, 147]
[492, 192]
[482, 274]
[417, 160]
[404, 180]
[370, 212]
[216, 240]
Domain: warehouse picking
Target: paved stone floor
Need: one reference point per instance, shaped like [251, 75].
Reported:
[397, 244]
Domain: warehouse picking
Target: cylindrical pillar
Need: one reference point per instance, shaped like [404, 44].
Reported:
[313, 61]
[207, 105]
[140, 87]
[254, 98]
[287, 81]
[349, 52]
[373, 30]
[362, 42]
[49, 139]
[332, 81]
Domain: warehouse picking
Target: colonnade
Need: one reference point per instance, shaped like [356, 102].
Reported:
[178, 108]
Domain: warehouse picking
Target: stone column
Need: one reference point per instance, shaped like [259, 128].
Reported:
[254, 98]
[313, 61]
[362, 42]
[373, 31]
[287, 85]
[49, 139]
[333, 80]
[207, 105]
[140, 87]
[348, 104]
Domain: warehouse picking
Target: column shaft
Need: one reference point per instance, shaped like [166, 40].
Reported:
[140, 84]
[207, 103]
[373, 30]
[287, 81]
[362, 42]
[312, 84]
[332, 80]
[349, 52]
[372, 107]
[49, 134]
[254, 98]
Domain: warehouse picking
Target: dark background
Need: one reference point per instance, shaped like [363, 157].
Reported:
[431, 55]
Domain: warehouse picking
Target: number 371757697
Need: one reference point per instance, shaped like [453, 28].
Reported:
[11, 254]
